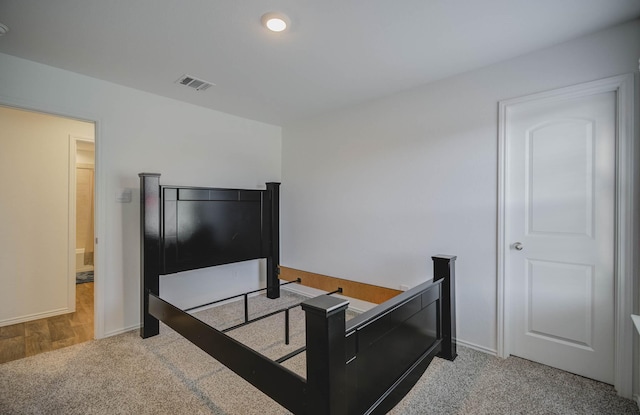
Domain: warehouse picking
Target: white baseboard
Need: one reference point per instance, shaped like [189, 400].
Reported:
[35, 316]
[120, 331]
[477, 347]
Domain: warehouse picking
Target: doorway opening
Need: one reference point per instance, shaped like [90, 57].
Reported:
[47, 169]
[82, 161]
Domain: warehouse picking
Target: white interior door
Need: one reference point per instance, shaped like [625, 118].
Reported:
[560, 201]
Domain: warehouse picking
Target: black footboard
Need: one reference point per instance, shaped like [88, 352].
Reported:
[384, 351]
[364, 367]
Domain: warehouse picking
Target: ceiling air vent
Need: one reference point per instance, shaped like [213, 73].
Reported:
[191, 82]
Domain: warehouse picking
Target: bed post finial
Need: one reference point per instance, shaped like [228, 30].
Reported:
[149, 250]
[326, 345]
[444, 269]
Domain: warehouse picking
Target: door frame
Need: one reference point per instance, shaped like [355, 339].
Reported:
[624, 221]
[73, 147]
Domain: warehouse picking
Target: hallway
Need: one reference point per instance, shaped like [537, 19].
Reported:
[38, 336]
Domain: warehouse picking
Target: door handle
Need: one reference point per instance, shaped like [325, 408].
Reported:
[518, 246]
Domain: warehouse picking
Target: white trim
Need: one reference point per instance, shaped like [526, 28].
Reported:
[120, 331]
[73, 149]
[35, 316]
[71, 237]
[624, 223]
[100, 182]
[99, 265]
[636, 322]
[477, 347]
[501, 323]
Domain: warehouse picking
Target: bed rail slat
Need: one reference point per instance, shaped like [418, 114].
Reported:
[281, 384]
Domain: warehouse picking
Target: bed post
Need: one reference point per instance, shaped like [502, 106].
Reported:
[326, 345]
[273, 258]
[149, 250]
[444, 269]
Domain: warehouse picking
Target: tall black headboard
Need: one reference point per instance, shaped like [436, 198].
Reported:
[186, 228]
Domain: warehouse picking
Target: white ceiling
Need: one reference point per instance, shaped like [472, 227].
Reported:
[336, 53]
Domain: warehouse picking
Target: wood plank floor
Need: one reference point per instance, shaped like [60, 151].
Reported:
[37, 336]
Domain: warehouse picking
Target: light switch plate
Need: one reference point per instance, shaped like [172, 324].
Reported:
[124, 196]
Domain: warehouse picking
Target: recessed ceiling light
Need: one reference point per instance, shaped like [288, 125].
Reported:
[4, 29]
[276, 22]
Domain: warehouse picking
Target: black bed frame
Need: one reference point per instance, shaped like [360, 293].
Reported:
[363, 366]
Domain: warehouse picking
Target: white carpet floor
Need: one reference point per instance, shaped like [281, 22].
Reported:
[168, 375]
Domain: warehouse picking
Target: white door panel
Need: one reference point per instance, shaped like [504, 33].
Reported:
[560, 199]
[560, 302]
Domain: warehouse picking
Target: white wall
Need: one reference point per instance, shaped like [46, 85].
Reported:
[141, 132]
[85, 157]
[36, 276]
[371, 192]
